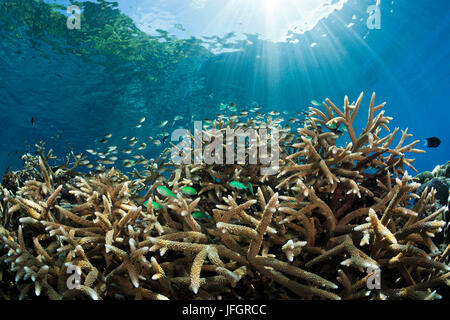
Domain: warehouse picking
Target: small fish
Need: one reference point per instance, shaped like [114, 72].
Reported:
[105, 161]
[157, 143]
[142, 120]
[188, 190]
[127, 150]
[103, 141]
[315, 103]
[32, 121]
[127, 164]
[331, 125]
[237, 185]
[164, 139]
[162, 190]
[139, 126]
[200, 215]
[142, 161]
[344, 128]
[335, 136]
[163, 123]
[108, 135]
[155, 205]
[142, 146]
[178, 118]
[250, 187]
[433, 142]
[100, 168]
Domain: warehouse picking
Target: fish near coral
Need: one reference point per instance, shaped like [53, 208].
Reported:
[188, 190]
[432, 142]
[165, 192]
[238, 185]
[200, 215]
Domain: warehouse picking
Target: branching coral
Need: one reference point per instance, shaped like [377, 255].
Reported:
[333, 219]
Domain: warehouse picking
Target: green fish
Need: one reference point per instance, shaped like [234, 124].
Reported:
[163, 123]
[308, 137]
[155, 204]
[222, 106]
[314, 102]
[332, 126]
[344, 127]
[200, 215]
[233, 109]
[165, 192]
[188, 190]
[237, 185]
[251, 188]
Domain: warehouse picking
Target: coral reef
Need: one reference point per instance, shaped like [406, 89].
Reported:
[331, 220]
[439, 179]
[441, 186]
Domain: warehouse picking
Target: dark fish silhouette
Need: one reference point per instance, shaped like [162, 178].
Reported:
[32, 121]
[433, 142]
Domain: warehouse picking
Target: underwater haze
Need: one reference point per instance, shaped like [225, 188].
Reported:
[159, 59]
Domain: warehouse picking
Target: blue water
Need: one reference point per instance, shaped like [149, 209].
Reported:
[75, 99]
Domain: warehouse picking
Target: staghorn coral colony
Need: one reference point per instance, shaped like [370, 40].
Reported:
[332, 218]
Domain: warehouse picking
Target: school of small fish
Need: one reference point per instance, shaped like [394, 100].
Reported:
[131, 151]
